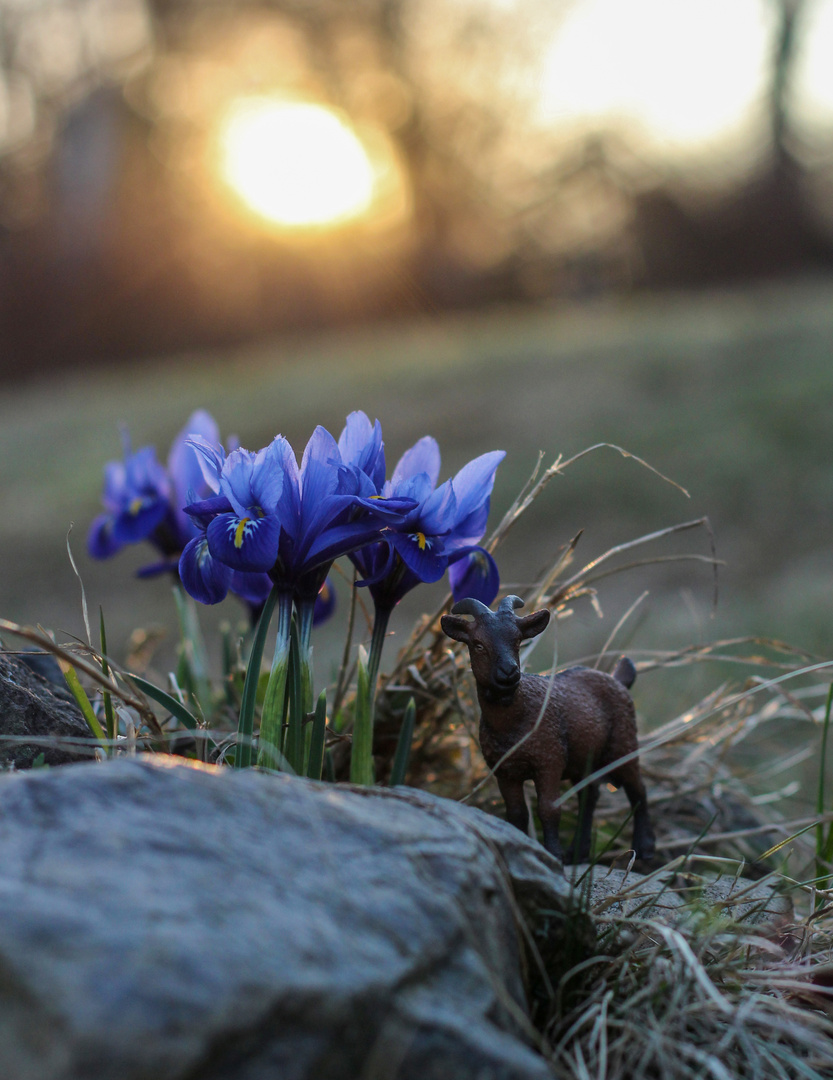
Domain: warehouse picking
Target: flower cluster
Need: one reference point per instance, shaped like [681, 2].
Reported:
[267, 515]
[145, 500]
[257, 524]
[441, 530]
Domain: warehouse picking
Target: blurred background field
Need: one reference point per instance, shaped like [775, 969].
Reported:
[510, 224]
[728, 394]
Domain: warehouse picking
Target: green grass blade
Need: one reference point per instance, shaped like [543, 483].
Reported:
[783, 843]
[84, 705]
[403, 746]
[193, 655]
[361, 758]
[245, 726]
[822, 845]
[316, 746]
[109, 712]
[174, 707]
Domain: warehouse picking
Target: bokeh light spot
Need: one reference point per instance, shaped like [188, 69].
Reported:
[298, 165]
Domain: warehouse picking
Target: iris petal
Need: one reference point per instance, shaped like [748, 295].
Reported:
[422, 554]
[374, 562]
[361, 446]
[115, 479]
[355, 437]
[341, 539]
[204, 577]
[475, 575]
[423, 457]
[470, 529]
[210, 458]
[474, 482]
[439, 511]
[244, 543]
[319, 475]
[139, 520]
[208, 508]
[289, 505]
[236, 480]
[101, 543]
[252, 588]
[268, 477]
[184, 466]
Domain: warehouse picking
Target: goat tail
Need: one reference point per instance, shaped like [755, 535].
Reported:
[625, 673]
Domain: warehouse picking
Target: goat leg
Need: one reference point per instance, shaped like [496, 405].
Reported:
[579, 850]
[548, 788]
[643, 832]
[517, 812]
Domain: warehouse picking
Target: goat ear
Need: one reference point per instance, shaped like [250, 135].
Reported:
[532, 625]
[455, 626]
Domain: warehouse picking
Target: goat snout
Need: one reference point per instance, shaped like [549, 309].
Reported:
[506, 677]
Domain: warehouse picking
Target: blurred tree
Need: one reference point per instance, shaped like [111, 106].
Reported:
[116, 234]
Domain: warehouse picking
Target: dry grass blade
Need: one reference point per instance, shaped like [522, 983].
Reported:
[649, 538]
[704, 997]
[527, 497]
[612, 635]
[91, 670]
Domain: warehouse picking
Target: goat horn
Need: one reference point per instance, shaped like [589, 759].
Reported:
[470, 606]
[509, 603]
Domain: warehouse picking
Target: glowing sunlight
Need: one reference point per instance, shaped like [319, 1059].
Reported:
[688, 74]
[296, 164]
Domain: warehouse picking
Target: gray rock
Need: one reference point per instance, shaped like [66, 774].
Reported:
[748, 901]
[611, 891]
[671, 896]
[164, 921]
[31, 708]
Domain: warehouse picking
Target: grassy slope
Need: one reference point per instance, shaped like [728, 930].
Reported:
[728, 394]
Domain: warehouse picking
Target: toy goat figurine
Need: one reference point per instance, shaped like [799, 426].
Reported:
[587, 722]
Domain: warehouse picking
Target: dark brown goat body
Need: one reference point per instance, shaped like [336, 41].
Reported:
[552, 729]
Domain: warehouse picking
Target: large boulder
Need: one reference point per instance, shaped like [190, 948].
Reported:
[162, 921]
[38, 718]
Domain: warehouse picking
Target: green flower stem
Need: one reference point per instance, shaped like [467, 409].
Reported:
[361, 757]
[377, 643]
[243, 752]
[294, 743]
[271, 717]
[305, 611]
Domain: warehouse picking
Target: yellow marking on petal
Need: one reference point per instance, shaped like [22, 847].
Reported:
[324, 592]
[135, 506]
[239, 532]
[421, 540]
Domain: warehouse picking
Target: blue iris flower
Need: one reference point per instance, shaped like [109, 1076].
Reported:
[267, 515]
[144, 500]
[441, 532]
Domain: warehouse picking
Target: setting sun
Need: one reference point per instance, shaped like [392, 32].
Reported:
[298, 165]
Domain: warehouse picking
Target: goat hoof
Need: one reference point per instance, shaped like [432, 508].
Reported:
[645, 851]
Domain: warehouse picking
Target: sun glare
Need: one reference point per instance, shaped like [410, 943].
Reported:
[295, 164]
[687, 72]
